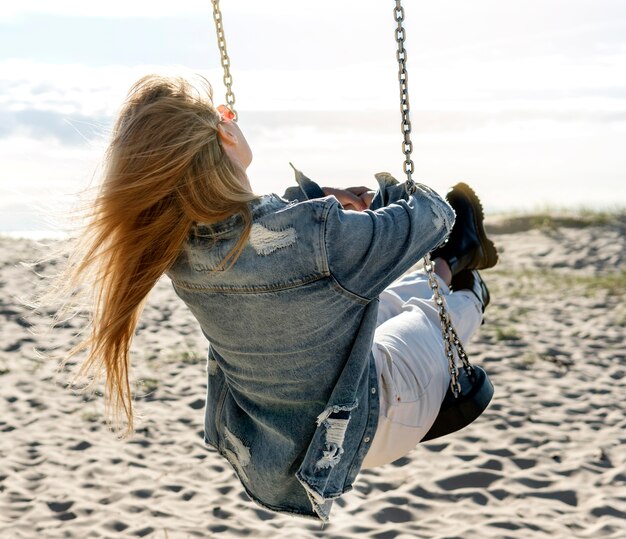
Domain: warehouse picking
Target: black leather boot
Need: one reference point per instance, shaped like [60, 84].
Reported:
[471, 280]
[468, 246]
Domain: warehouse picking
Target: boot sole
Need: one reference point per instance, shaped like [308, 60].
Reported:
[488, 258]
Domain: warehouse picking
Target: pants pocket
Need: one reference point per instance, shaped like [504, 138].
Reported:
[403, 387]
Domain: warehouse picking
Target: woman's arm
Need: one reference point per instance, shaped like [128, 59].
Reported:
[368, 250]
[352, 198]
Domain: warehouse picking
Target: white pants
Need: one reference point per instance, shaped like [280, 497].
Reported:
[413, 374]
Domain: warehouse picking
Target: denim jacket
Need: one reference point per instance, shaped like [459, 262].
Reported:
[292, 394]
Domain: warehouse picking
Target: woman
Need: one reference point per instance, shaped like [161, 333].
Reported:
[308, 379]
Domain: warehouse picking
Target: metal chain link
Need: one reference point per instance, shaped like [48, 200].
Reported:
[405, 109]
[221, 43]
[451, 341]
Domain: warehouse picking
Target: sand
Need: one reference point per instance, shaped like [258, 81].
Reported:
[546, 460]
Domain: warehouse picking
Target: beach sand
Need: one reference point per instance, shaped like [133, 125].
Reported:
[547, 459]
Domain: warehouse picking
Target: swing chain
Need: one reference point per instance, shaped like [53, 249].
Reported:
[403, 78]
[450, 338]
[221, 42]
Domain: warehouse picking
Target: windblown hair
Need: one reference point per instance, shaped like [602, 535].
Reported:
[164, 170]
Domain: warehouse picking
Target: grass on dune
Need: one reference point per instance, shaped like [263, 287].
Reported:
[539, 279]
[553, 218]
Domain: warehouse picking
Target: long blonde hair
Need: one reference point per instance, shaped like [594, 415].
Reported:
[164, 170]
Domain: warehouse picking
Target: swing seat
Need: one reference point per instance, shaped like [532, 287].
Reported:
[458, 412]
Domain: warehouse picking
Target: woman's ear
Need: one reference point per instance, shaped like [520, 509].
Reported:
[227, 138]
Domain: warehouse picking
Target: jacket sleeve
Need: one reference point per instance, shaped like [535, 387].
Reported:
[366, 251]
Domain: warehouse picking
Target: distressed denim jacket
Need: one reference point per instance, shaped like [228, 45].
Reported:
[292, 395]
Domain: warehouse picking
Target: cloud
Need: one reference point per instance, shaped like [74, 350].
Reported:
[542, 83]
[42, 124]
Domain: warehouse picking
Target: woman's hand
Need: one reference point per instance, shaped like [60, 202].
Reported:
[352, 198]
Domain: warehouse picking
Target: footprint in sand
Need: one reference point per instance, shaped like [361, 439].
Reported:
[59, 507]
[534, 483]
[524, 464]
[66, 516]
[568, 497]
[491, 464]
[392, 514]
[81, 446]
[468, 480]
[116, 525]
[197, 404]
[143, 532]
[173, 488]
[142, 493]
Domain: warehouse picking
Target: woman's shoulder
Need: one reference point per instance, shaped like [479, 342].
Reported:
[314, 208]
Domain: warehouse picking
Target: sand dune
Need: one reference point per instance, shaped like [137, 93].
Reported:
[546, 460]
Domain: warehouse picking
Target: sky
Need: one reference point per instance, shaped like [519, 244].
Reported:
[523, 99]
